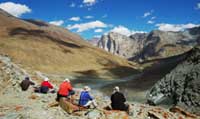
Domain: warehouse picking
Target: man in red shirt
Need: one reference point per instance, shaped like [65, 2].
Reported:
[45, 86]
[65, 89]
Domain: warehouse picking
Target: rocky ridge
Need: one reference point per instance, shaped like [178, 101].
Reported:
[156, 44]
[181, 85]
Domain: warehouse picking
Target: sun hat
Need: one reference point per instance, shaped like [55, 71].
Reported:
[87, 88]
[116, 88]
[67, 80]
[46, 79]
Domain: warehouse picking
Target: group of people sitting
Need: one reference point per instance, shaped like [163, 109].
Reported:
[85, 100]
[45, 86]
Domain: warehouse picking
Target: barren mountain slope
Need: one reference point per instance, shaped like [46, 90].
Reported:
[36, 45]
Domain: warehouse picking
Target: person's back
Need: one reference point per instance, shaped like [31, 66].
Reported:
[64, 89]
[26, 83]
[118, 101]
[45, 86]
[86, 99]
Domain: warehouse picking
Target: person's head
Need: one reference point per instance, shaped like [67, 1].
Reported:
[46, 79]
[87, 88]
[116, 89]
[66, 80]
[26, 78]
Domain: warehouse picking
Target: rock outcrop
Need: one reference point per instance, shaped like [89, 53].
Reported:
[121, 45]
[161, 44]
[156, 44]
[181, 85]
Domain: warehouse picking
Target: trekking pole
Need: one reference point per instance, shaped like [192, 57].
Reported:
[89, 111]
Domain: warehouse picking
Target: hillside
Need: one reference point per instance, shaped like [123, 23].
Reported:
[39, 46]
[181, 85]
[162, 44]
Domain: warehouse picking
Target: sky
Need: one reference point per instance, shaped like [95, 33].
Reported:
[93, 18]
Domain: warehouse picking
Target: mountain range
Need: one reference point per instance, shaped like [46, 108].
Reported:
[156, 44]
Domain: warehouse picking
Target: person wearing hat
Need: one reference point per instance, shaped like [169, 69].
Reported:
[45, 86]
[65, 89]
[26, 83]
[86, 100]
[118, 100]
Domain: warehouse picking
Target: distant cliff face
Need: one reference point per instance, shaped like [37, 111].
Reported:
[121, 45]
[160, 44]
[156, 44]
[182, 85]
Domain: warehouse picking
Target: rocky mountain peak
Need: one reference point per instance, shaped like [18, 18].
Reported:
[121, 45]
[139, 36]
[146, 46]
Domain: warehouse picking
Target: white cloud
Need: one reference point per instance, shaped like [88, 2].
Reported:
[72, 5]
[146, 14]
[152, 18]
[150, 22]
[175, 27]
[89, 2]
[104, 16]
[15, 9]
[124, 31]
[88, 17]
[74, 19]
[86, 26]
[57, 23]
[198, 5]
[98, 30]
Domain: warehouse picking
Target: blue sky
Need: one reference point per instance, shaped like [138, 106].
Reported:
[91, 18]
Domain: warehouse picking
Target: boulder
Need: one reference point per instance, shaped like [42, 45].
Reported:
[68, 106]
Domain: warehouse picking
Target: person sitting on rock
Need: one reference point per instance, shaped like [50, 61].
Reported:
[65, 90]
[26, 83]
[86, 100]
[118, 100]
[45, 86]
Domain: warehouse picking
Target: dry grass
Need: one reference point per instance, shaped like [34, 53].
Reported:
[54, 50]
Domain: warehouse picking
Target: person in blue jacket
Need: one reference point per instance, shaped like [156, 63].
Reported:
[86, 100]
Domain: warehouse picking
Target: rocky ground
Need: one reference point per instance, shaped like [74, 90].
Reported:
[16, 104]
